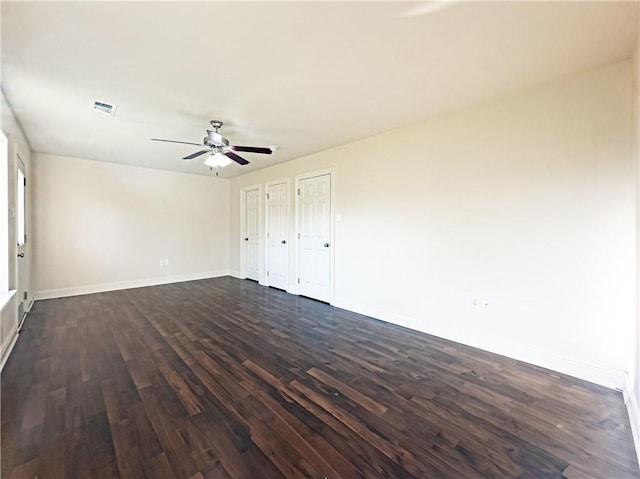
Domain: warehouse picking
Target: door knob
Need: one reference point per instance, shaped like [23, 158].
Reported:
[21, 255]
[326, 245]
[246, 239]
[283, 242]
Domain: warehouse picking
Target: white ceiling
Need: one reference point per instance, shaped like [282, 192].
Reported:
[305, 76]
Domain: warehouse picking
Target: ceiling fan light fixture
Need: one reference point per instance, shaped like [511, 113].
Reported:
[217, 160]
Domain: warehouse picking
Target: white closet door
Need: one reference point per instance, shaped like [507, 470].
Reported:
[277, 236]
[252, 234]
[314, 222]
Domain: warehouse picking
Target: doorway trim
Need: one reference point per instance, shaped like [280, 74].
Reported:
[243, 221]
[332, 214]
[5, 249]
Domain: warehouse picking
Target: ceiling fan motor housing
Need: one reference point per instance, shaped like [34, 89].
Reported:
[221, 141]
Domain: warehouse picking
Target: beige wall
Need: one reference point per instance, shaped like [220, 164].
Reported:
[100, 226]
[528, 201]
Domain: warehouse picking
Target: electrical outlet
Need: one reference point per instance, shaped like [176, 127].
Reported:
[166, 262]
[161, 262]
[476, 301]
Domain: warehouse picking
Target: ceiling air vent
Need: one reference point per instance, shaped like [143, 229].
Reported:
[104, 107]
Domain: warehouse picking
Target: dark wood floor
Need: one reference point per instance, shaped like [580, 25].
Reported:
[223, 378]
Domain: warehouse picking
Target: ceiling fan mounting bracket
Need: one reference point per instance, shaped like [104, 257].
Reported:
[216, 124]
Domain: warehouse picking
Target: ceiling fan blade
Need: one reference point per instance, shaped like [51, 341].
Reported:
[217, 139]
[196, 154]
[237, 158]
[175, 141]
[252, 149]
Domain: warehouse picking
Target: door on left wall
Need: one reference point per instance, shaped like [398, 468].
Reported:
[251, 238]
[21, 218]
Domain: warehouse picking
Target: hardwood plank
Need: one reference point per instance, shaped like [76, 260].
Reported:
[223, 378]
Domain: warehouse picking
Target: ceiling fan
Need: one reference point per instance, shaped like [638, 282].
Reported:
[222, 153]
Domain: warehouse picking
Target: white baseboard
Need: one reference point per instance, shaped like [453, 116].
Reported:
[8, 312]
[631, 400]
[6, 349]
[605, 377]
[236, 274]
[141, 283]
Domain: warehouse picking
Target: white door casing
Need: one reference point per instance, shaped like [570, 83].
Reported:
[314, 214]
[21, 218]
[277, 231]
[4, 215]
[250, 249]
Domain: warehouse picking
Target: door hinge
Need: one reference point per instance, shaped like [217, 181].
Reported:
[298, 191]
[267, 235]
[298, 235]
[25, 296]
[267, 195]
[25, 182]
[298, 280]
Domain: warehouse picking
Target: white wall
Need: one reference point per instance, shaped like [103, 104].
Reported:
[633, 387]
[528, 201]
[18, 145]
[101, 226]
